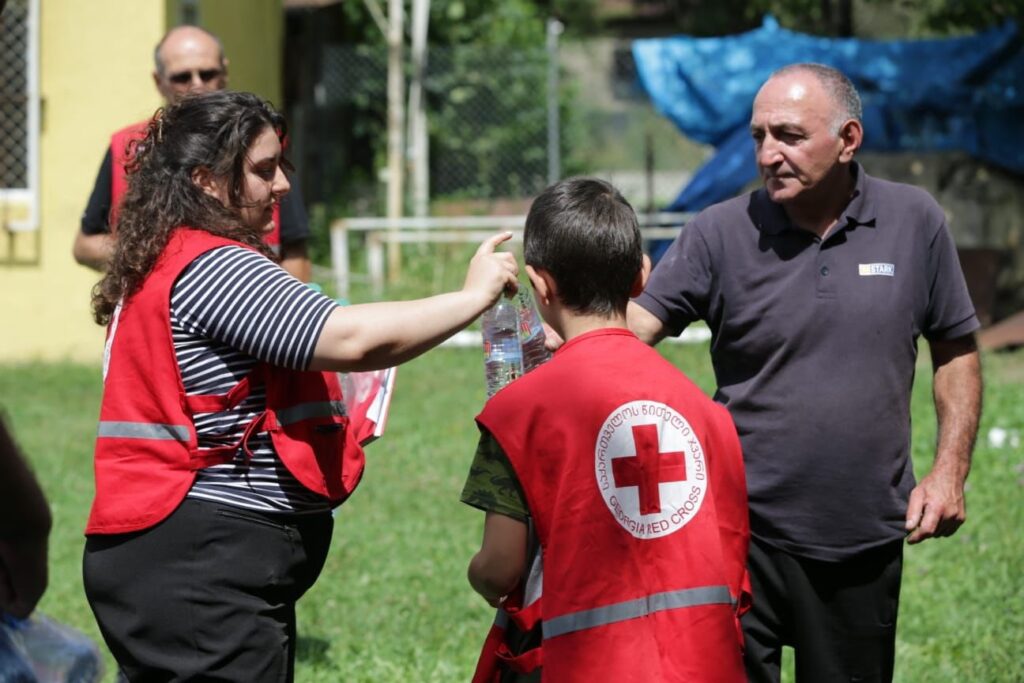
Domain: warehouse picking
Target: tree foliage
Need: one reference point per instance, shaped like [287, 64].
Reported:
[955, 16]
[487, 71]
[485, 89]
[861, 18]
[457, 22]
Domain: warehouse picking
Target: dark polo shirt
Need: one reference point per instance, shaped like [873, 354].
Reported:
[814, 345]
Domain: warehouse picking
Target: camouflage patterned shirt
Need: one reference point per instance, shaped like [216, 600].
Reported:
[492, 485]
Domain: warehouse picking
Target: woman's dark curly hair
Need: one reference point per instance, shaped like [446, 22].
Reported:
[212, 131]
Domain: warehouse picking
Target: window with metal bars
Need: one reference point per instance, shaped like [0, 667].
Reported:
[19, 114]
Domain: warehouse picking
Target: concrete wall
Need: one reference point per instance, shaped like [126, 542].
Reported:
[95, 65]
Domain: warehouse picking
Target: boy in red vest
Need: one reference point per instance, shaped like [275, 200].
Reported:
[615, 541]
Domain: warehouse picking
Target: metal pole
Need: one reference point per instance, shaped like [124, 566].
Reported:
[418, 139]
[649, 170]
[555, 28]
[340, 259]
[396, 124]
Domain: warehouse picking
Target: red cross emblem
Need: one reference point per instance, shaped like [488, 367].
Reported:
[648, 468]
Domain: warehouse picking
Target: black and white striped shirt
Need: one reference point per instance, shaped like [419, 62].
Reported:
[229, 308]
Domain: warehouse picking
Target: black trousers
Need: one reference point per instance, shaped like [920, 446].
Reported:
[208, 594]
[839, 617]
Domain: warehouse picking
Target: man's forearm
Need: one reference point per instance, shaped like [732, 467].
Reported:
[93, 251]
[644, 324]
[295, 259]
[957, 392]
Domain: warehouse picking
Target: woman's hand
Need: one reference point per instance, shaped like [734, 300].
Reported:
[492, 272]
[379, 335]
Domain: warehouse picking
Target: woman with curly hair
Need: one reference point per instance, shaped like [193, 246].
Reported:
[223, 443]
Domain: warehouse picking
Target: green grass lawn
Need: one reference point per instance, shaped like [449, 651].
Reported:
[393, 603]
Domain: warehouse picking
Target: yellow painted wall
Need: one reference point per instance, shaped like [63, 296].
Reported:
[95, 60]
[252, 32]
[95, 66]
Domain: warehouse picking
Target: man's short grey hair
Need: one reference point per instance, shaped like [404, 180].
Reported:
[159, 64]
[836, 84]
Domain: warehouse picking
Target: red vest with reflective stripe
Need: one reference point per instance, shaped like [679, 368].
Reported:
[146, 448]
[120, 156]
[634, 481]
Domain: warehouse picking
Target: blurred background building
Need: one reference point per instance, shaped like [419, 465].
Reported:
[71, 74]
[495, 98]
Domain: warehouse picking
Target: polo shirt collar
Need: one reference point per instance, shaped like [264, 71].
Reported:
[860, 211]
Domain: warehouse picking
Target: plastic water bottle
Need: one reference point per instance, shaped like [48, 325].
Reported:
[41, 650]
[531, 331]
[503, 355]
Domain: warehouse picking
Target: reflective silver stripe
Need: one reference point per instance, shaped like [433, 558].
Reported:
[304, 411]
[631, 609]
[143, 430]
[534, 587]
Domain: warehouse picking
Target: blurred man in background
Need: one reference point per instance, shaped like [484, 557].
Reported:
[187, 60]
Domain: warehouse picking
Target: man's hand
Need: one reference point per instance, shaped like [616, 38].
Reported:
[937, 507]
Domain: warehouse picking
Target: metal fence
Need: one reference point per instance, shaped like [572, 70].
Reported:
[487, 118]
[376, 233]
[502, 124]
[488, 110]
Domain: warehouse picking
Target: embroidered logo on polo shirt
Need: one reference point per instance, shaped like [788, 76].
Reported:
[650, 468]
[868, 269]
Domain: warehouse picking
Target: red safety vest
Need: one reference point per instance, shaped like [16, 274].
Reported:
[146, 448]
[634, 481]
[120, 155]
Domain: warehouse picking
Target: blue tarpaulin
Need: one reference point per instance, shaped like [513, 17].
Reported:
[964, 93]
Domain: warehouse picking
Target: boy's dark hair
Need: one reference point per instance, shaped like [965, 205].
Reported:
[585, 234]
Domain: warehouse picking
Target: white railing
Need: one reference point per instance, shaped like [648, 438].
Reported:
[379, 232]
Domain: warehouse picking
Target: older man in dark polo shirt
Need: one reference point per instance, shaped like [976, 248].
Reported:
[816, 289]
